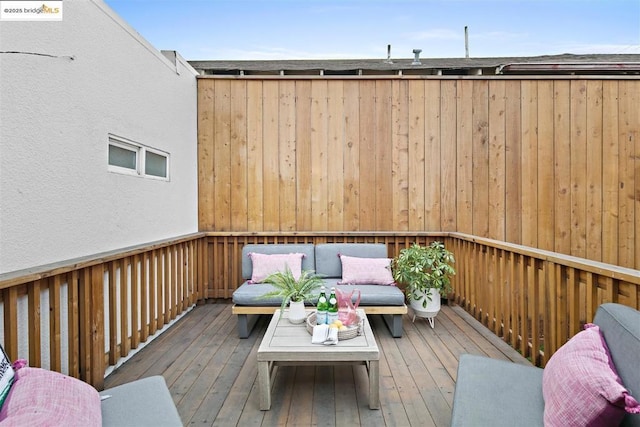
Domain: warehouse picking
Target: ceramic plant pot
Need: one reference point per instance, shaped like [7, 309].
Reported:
[431, 310]
[297, 313]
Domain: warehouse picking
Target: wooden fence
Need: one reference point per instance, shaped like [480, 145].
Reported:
[85, 315]
[548, 162]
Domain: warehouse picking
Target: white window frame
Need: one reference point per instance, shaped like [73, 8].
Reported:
[144, 166]
[140, 152]
[120, 142]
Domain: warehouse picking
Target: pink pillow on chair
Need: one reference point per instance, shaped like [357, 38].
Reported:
[265, 264]
[581, 387]
[40, 397]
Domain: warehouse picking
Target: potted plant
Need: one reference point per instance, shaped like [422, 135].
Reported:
[293, 291]
[426, 272]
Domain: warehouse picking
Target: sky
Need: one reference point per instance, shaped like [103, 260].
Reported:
[362, 29]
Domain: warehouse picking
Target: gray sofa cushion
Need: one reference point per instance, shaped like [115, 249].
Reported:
[145, 402]
[308, 262]
[328, 263]
[497, 393]
[372, 294]
[620, 326]
[250, 294]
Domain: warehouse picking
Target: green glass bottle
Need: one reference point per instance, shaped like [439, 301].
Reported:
[332, 311]
[322, 307]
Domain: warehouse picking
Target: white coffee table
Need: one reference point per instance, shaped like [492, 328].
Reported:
[285, 343]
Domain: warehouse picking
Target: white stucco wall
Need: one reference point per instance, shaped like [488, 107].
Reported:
[73, 83]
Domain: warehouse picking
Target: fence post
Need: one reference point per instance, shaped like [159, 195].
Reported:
[92, 349]
[97, 326]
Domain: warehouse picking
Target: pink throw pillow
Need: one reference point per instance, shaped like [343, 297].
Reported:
[265, 264]
[40, 397]
[581, 387]
[366, 271]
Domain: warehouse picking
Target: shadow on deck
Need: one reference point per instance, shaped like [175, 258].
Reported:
[212, 374]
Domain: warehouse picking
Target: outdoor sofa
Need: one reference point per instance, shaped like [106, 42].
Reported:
[327, 261]
[576, 388]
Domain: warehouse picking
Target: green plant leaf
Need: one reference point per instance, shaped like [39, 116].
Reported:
[289, 288]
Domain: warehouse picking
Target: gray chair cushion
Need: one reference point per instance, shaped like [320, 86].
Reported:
[620, 326]
[145, 402]
[308, 262]
[328, 263]
[497, 393]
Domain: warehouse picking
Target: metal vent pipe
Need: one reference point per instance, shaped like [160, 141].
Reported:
[416, 58]
[388, 60]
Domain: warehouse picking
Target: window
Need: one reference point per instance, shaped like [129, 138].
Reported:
[131, 158]
[155, 164]
[123, 156]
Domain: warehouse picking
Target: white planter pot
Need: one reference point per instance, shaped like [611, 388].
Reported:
[297, 313]
[432, 308]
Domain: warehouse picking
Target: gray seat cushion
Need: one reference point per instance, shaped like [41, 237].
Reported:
[328, 263]
[251, 294]
[497, 393]
[372, 294]
[145, 402]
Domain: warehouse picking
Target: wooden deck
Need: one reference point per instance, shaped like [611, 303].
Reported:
[212, 374]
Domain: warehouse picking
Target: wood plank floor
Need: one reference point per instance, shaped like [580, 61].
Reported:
[212, 374]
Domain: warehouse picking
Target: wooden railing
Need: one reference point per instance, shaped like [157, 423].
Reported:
[84, 316]
[535, 300]
[80, 317]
